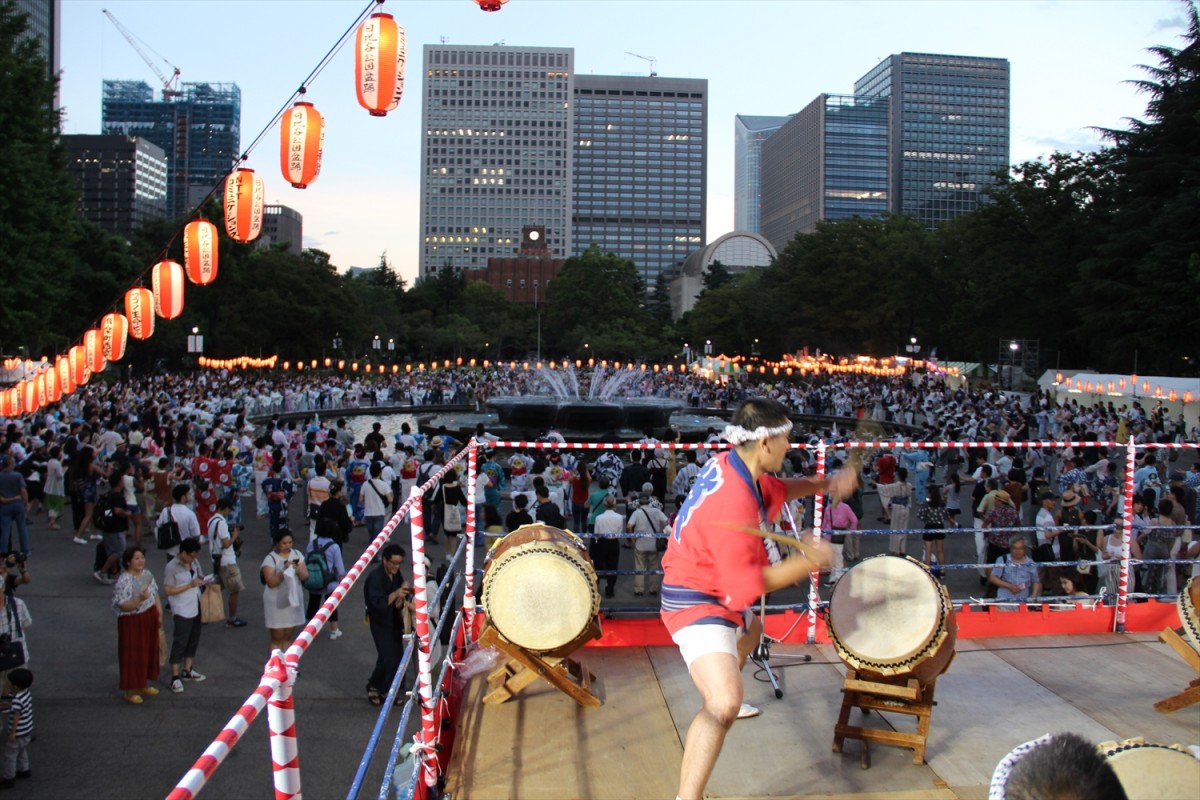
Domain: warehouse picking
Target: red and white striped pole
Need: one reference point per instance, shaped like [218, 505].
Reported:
[814, 577]
[472, 533]
[1126, 538]
[421, 617]
[281, 726]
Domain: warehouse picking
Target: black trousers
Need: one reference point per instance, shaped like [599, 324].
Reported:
[185, 638]
[389, 649]
[606, 554]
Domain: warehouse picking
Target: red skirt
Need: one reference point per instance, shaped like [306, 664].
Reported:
[137, 649]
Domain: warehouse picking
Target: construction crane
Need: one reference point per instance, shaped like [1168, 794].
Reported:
[170, 85]
[651, 59]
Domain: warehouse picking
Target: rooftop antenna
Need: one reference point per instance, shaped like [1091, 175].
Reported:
[651, 59]
[445, 39]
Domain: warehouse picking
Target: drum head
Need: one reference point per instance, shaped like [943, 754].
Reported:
[885, 610]
[1155, 772]
[1188, 604]
[538, 596]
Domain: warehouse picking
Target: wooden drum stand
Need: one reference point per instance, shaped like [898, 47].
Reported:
[898, 695]
[524, 666]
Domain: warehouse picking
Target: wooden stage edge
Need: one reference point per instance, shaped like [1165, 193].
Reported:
[998, 693]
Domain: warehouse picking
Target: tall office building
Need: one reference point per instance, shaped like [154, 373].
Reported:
[44, 21]
[949, 130]
[828, 162]
[282, 225]
[199, 129]
[641, 158]
[749, 133]
[122, 180]
[496, 154]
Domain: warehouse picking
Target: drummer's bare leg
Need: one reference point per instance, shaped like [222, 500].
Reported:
[719, 681]
[748, 641]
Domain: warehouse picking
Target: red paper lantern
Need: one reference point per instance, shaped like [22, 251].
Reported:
[5, 410]
[53, 385]
[39, 388]
[301, 143]
[167, 280]
[93, 350]
[79, 365]
[379, 67]
[139, 310]
[490, 5]
[244, 194]
[1173, 396]
[66, 377]
[29, 396]
[200, 251]
[115, 332]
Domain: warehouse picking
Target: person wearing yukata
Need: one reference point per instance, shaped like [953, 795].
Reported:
[713, 571]
[278, 491]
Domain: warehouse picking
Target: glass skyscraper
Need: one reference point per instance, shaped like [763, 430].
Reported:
[641, 158]
[828, 162]
[949, 130]
[199, 130]
[496, 154]
[749, 132]
[122, 180]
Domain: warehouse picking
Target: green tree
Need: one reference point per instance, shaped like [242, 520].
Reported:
[1145, 275]
[716, 276]
[37, 197]
[598, 299]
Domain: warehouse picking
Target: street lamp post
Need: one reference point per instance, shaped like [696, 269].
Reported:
[538, 308]
[912, 348]
[375, 343]
[1012, 378]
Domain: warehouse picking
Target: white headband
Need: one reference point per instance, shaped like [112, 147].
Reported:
[736, 434]
[1005, 767]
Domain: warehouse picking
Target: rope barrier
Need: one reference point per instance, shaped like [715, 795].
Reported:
[814, 577]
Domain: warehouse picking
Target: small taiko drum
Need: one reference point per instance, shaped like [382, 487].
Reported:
[1188, 602]
[540, 590]
[1153, 771]
[890, 618]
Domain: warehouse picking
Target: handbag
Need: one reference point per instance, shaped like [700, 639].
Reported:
[12, 651]
[1043, 553]
[166, 535]
[452, 518]
[212, 604]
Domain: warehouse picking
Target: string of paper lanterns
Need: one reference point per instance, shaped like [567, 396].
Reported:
[381, 51]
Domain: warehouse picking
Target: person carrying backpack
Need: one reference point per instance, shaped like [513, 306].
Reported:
[326, 569]
[112, 515]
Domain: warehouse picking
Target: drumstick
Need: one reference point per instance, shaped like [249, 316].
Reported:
[795, 544]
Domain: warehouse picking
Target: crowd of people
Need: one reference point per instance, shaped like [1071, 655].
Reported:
[179, 463]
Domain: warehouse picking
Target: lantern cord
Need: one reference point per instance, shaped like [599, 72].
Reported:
[324, 62]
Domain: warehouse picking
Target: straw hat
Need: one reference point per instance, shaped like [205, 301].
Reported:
[1003, 497]
[1069, 498]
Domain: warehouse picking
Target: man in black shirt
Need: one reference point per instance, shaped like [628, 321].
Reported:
[386, 596]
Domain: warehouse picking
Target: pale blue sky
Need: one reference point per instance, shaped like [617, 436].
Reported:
[1069, 61]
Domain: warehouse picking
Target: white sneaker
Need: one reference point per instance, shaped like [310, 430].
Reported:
[335, 634]
[177, 686]
[79, 540]
[193, 675]
[95, 537]
[102, 577]
[747, 711]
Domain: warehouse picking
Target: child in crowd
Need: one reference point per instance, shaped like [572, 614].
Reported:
[18, 728]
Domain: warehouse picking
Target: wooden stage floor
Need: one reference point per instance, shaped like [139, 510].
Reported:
[997, 694]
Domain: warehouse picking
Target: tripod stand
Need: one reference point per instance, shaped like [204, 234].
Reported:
[761, 654]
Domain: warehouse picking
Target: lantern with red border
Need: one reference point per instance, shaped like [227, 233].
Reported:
[5, 410]
[53, 385]
[167, 280]
[39, 388]
[93, 350]
[490, 5]
[139, 311]
[66, 377]
[79, 365]
[380, 49]
[301, 144]
[200, 251]
[1173, 395]
[244, 193]
[114, 330]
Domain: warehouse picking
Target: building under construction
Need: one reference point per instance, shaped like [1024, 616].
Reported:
[198, 127]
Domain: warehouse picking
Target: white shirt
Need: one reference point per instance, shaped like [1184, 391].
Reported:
[185, 518]
[185, 604]
[218, 533]
[373, 504]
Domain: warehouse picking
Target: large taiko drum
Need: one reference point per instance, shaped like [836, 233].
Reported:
[1188, 604]
[540, 590]
[1153, 771]
[889, 617]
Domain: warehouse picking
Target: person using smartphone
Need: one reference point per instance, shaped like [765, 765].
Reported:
[283, 574]
[183, 580]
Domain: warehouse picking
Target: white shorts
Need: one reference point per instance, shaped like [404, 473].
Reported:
[700, 640]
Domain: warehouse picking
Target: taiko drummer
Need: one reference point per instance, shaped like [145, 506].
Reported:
[712, 573]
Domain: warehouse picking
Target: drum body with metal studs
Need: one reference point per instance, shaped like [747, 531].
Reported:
[890, 618]
[540, 590]
[1153, 771]
[1188, 604]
